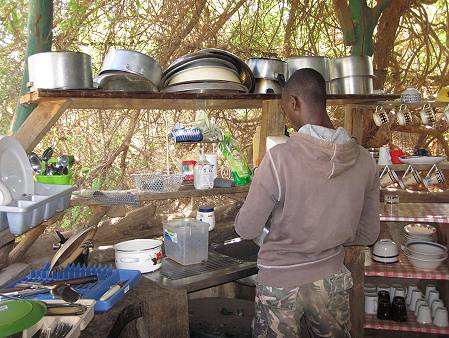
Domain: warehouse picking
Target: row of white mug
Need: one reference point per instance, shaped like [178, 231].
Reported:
[404, 116]
[427, 306]
[411, 177]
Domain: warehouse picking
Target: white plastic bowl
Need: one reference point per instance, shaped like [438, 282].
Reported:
[385, 248]
[425, 264]
[426, 250]
[419, 230]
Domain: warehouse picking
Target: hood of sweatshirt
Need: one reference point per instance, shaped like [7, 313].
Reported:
[331, 151]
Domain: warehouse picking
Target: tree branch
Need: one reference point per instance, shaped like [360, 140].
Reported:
[344, 18]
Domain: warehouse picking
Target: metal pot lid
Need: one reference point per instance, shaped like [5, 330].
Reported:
[116, 80]
[204, 61]
[246, 75]
[71, 249]
[206, 86]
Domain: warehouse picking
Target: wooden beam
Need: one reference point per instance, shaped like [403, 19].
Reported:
[40, 121]
[272, 124]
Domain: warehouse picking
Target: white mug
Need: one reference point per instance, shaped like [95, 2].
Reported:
[429, 287]
[371, 304]
[420, 302]
[380, 116]
[399, 292]
[404, 116]
[384, 155]
[410, 289]
[441, 319]
[416, 294]
[393, 289]
[435, 305]
[427, 114]
[424, 316]
[433, 295]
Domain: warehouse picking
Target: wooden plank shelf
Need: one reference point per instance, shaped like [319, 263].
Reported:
[415, 212]
[403, 269]
[411, 325]
[104, 99]
[186, 191]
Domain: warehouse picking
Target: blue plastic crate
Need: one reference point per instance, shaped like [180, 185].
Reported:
[107, 276]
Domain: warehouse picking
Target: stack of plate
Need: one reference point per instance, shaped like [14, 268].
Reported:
[425, 255]
[419, 232]
[209, 70]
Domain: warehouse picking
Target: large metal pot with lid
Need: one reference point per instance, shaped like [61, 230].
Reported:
[269, 69]
[318, 63]
[133, 62]
[60, 70]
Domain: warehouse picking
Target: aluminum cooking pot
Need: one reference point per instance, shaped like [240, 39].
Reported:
[60, 70]
[318, 63]
[133, 62]
[264, 86]
[351, 66]
[361, 85]
[266, 68]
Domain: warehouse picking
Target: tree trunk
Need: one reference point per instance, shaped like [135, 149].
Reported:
[40, 22]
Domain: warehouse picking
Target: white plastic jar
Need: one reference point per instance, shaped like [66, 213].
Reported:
[206, 215]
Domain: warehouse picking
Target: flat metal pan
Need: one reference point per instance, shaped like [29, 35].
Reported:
[206, 87]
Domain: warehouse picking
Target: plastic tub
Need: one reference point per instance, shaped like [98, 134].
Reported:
[55, 179]
[186, 240]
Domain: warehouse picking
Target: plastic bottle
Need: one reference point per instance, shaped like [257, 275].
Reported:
[203, 177]
[240, 171]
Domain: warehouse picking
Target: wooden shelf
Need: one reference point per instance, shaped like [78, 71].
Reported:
[411, 325]
[403, 269]
[185, 192]
[415, 212]
[444, 165]
[104, 99]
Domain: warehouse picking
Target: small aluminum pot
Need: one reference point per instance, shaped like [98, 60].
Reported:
[133, 62]
[266, 68]
[264, 86]
[318, 63]
[351, 66]
[144, 255]
[60, 70]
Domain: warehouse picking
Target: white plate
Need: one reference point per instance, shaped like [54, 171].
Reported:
[15, 168]
[421, 159]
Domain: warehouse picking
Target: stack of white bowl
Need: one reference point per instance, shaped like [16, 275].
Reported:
[385, 251]
[425, 255]
[419, 232]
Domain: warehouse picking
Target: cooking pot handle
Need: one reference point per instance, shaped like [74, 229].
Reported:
[281, 79]
[128, 260]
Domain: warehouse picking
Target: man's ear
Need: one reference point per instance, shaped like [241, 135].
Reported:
[296, 102]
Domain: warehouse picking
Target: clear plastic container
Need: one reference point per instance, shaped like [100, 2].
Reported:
[186, 240]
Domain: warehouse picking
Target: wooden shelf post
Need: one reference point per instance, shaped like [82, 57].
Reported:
[272, 124]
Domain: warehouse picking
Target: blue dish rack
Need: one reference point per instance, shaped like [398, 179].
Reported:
[107, 277]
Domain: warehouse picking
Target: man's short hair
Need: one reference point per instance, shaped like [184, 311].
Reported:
[308, 84]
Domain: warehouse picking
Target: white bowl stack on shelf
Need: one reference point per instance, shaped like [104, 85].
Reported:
[385, 251]
[425, 255]
[419, 232]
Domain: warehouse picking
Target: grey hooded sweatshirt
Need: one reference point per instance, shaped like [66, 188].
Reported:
[321, 190]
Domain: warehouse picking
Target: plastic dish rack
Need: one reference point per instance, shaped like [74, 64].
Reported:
[23, 214]
[107, 277]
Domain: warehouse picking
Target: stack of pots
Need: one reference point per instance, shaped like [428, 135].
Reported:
[128, 70]
[318, 63]
[351, 75]
[270, 74]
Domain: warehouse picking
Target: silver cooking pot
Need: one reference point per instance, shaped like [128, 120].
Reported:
[60, 70]
[133, 62]
[351, 66]
[264, 86]
[269, 69]
[318, 63]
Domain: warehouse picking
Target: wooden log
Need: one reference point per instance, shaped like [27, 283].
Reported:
[164, 313]
[272, 124]
[355, 262]
[40, 121]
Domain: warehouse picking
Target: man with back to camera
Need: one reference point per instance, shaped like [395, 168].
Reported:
[321, 190]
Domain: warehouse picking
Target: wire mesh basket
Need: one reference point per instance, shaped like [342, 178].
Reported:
[157, 182]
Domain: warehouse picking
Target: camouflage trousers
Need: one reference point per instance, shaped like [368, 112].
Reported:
[318, 309]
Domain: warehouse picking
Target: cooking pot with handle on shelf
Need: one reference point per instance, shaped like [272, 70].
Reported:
[144, 255]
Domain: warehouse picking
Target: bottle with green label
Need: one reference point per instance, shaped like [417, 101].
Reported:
[230, 149]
